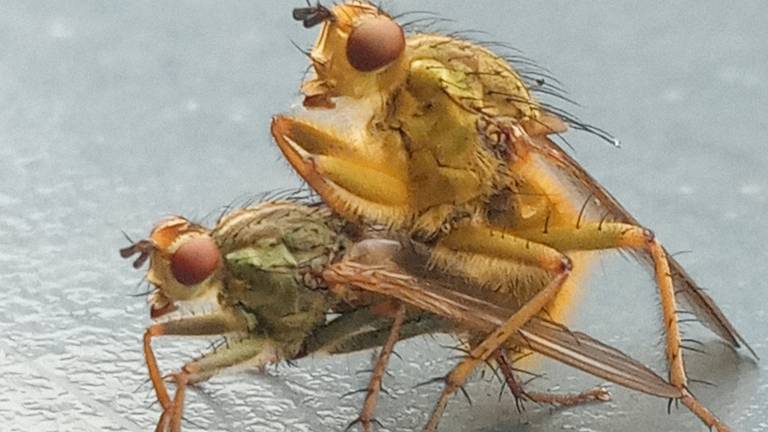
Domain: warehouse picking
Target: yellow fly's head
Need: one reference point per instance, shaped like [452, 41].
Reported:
[407, 132]
[184, 263]
[359, 51]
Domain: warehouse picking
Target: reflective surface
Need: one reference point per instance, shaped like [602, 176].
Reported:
[116, 114]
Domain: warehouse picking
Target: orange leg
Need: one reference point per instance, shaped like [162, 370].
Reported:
[567, 399]
[612, 235]
[214, 324]
[539, 250]
[496, 339]
[374, 385]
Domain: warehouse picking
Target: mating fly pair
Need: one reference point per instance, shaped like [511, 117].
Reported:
[459, 214]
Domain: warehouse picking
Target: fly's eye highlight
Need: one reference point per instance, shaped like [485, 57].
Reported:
[195, 260]
[375, 43]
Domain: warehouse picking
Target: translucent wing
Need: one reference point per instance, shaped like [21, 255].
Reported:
[550, 339]
[600, 205]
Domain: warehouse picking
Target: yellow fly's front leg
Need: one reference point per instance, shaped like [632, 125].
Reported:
[612, 235]
[473, 240]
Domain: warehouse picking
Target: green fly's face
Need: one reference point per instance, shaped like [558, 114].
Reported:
[263, 259]
[184, 264]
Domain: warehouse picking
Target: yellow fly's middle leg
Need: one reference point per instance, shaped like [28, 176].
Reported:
[612, 235]
[512, 248]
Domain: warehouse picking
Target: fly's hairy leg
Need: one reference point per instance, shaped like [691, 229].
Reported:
[215, 324]
[255, 351]
[374, 385]
[516, 249]
[547, 338]
[567, 399]
[611, 235]
[508, 249]
[703, 306]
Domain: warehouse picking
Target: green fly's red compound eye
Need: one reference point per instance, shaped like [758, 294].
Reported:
[195, 260]
[375, 43]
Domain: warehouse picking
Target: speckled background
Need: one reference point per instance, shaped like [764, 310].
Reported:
[115, 114]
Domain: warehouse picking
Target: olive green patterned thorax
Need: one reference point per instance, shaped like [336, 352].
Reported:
[274, 256]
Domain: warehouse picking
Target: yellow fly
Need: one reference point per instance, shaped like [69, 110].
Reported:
[440, 138]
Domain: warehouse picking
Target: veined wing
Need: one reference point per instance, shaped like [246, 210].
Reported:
[552, 340]
[599, 204]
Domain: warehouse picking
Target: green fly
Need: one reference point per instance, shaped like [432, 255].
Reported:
[290, 279]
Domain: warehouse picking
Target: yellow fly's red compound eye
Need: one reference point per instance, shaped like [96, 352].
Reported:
[195, 260]
[375, 43]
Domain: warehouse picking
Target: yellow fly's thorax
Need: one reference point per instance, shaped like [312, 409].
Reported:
[476, 78]
[453, 91]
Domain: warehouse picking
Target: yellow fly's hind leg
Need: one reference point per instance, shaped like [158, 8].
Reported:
[596, 394]
[612, 235]
[484, 241]
[366, 417]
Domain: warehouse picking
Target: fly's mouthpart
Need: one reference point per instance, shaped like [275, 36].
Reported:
[311, 16]
[141, 247]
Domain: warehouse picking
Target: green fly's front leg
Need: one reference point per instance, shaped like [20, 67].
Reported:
[215, 324]
[256, 351]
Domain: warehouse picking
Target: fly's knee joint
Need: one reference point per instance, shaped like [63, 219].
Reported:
[153, 331]
[638, 237]
[649, 235]
[188, 369]
[180, 378]
[558, 264]
[453, 381]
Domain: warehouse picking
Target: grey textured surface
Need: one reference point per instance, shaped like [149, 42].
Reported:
[115, 114]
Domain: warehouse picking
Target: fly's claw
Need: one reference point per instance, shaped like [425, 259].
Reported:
[365, 424]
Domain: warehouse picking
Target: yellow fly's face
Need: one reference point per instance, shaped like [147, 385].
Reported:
[400, 129]
[184, 263]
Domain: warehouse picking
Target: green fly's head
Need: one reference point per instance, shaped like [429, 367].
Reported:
[184, 263]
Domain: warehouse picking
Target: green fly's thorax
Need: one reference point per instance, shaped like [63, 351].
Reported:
[274, 254]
